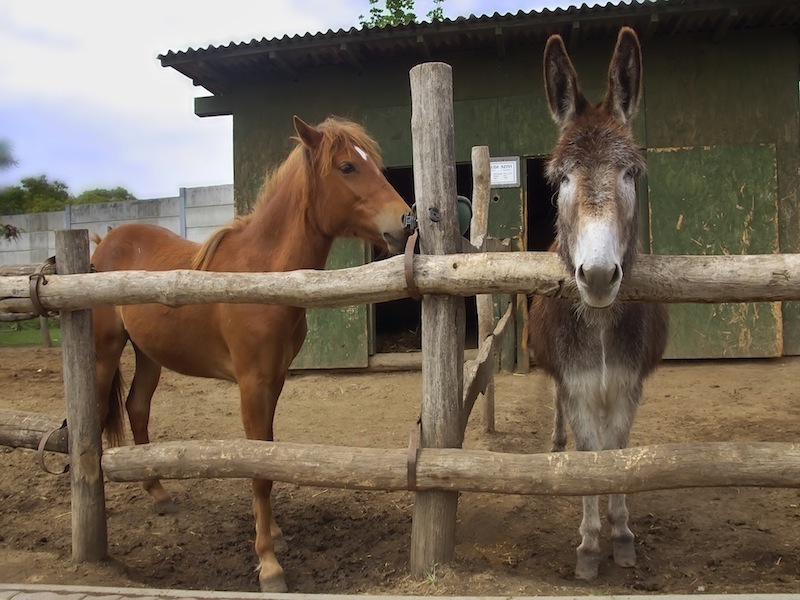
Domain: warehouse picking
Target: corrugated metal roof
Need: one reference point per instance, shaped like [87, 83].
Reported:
[220, 69]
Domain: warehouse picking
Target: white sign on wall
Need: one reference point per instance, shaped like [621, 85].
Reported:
[504, 171]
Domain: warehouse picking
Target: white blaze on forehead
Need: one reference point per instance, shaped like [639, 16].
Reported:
[361, 152]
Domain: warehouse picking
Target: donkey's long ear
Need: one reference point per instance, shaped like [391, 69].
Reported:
[308, 135]
[561, 83]
[624, 77]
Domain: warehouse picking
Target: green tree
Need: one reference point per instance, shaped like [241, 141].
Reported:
[7, 159]
[396, 12]
[117, 194]
[34, 194]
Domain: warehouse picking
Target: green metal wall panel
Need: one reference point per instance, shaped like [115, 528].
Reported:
[738, 90]
[337, 337]
[717, 200]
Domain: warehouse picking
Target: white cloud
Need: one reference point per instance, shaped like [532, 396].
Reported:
[85, 100]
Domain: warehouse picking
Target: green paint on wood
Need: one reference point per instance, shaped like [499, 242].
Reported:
[337, 337]
[717, 200]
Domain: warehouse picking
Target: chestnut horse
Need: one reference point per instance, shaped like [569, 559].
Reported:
[330, 185]
[597, 349]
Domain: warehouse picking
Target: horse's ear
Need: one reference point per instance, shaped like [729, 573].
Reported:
[561, 83]
[307, 134]
[625, 77]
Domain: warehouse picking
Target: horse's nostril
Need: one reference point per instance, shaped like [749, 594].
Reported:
[580, 274]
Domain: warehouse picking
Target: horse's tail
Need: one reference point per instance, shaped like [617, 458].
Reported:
[114, 426]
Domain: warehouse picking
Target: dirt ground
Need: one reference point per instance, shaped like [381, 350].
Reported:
[357, 542]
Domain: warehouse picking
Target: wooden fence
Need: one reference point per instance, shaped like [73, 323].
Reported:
[449, 386]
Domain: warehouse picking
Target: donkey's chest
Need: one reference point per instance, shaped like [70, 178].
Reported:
[601, 372]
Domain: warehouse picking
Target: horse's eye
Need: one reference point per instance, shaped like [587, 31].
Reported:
[347, 168]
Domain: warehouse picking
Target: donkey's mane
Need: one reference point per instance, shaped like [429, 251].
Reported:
[296, 177]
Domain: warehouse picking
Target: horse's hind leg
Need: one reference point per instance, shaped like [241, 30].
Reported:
[109, 340]
[143, 386]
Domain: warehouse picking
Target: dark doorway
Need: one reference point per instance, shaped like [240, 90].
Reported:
[397, 323]
[542, 204]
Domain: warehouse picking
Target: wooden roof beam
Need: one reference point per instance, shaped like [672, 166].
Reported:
[278, 61]
[422, 45]
[351, 56]
[500, 42]
[650, 28]
[725, 24]
[574, 35]
[212, 78]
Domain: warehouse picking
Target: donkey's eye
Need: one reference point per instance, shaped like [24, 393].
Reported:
[347, 168]
[564, 180]
[630, 175]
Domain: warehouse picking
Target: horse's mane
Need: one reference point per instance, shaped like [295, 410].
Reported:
[300, 169]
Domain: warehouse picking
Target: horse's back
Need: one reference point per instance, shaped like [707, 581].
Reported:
[141, 246]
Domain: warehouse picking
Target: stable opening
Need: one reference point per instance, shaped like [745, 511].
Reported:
[542, 206]
[397, 323]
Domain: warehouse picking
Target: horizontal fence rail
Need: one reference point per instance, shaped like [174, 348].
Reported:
[643, 468]
[702, 279]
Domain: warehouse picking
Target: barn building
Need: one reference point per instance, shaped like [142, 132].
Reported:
[719, 123]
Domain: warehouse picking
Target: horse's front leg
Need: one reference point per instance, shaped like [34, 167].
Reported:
[258, 400]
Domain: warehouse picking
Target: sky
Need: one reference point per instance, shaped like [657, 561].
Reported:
[85, 100]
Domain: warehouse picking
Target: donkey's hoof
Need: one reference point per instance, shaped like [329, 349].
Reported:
[165, 507]
[274, 585]
[587, 566]
[624, 554]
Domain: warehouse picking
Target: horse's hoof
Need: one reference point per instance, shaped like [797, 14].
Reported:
[165, 507]
[279, 544]
[276, 585]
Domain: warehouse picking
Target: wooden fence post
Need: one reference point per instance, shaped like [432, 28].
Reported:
[89, 533]
[443, 316]
[479, 228]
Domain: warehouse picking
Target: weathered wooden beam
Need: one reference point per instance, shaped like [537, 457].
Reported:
[638, 469]
[19, 429]
[479, 372]
[702, 279]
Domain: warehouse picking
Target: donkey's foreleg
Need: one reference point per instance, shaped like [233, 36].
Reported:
[559, 437]
[589, 549]
[586, 428]
[617, 436]
[621, 535]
